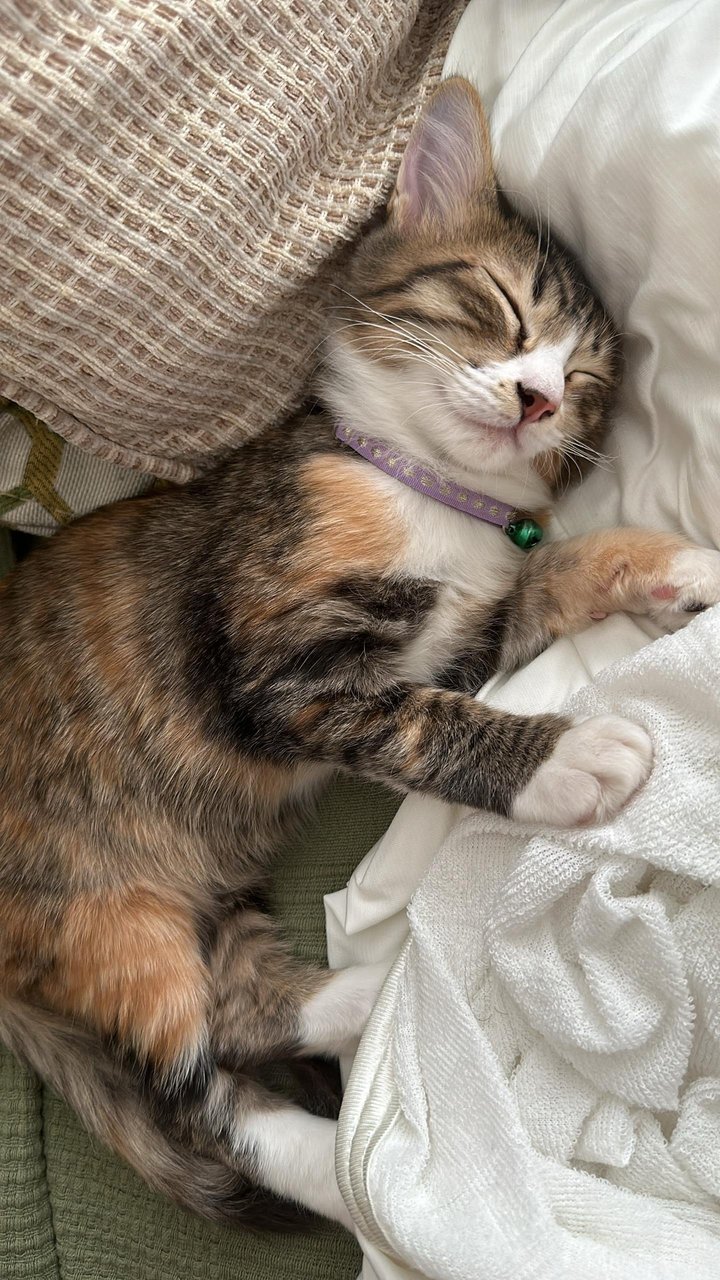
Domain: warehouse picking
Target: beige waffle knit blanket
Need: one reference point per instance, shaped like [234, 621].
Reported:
[175, 178]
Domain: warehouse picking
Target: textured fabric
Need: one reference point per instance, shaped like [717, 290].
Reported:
[605, 118]
[554, 1014]
[46, 482]
[27, 1241]
[69, 1208]
[176, 177]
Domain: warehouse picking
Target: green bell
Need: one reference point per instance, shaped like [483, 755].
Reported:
[524, 533]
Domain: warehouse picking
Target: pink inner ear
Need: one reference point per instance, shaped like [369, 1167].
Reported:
[447, 162]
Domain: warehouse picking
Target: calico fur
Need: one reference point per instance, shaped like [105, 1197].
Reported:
[181, 673]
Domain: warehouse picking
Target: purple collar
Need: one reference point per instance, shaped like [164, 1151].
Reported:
[420, 477]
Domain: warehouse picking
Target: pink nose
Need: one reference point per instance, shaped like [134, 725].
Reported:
[534, 405]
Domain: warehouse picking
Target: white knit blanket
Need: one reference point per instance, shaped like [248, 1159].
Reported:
[539, 1091]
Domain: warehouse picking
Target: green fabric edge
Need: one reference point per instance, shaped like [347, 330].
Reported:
[27, 1238]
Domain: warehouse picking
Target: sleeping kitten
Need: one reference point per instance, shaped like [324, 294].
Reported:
[179, 675]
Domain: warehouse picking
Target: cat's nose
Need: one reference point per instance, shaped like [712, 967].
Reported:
[534, 404]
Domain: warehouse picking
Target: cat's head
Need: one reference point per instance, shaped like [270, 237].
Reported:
[466, 334]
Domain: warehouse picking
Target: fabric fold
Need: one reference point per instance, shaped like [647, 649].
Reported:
[554, 1008]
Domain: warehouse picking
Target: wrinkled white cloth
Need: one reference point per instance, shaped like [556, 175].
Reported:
[555, 1014]
[519, 1107]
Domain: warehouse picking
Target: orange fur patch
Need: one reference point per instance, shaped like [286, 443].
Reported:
[308, 717]
[353, 530]
[109, 602]
[607, 571]
[127, 963]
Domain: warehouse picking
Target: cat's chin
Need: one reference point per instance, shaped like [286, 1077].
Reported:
[493, 444]
[500, 450]
[500, 439]
[502, 435]
[494, 448]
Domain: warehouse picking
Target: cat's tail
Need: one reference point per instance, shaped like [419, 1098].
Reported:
[73, 1063]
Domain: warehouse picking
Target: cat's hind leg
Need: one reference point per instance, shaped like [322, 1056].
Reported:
[267, 1004]
[170, 1027]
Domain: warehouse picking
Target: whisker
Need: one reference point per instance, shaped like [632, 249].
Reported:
[421, 409]
[577, 446]
[378, 347]
[567, 458]
[390, 347]
[410, 338]
[589, 448]
[393, 320]
[424, 329]
[599, 462]
[431, 359]
[403, 342]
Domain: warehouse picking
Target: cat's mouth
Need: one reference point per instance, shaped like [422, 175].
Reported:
[500, 436]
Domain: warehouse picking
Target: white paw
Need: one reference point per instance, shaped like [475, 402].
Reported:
[693, 584]
[594, 769]
[334, 1018]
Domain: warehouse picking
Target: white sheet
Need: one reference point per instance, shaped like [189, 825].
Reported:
[554, 1014]
[606, 115]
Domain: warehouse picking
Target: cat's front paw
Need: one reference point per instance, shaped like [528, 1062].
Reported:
[595, 768]
[692, 585]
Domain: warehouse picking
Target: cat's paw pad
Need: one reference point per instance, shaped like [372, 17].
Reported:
[595, 768]
[692, 585]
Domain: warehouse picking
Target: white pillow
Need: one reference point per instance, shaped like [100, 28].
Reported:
[606, 119]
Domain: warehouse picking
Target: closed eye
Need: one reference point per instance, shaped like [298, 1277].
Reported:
[585, 373]
[522, 334]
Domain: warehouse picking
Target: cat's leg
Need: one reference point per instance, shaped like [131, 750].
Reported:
[272, 1143]
[334, 1018]
[562, 588]
[565, 585]
[266, 1004]
[128, 965]
[448, 745]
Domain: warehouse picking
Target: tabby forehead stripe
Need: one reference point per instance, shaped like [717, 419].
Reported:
[418, 274]
[481, 308]
[413, 315]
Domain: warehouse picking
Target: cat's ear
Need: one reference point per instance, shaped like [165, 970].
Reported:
[447, 167]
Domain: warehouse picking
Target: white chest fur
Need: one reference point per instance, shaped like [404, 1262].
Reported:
[473, 563]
